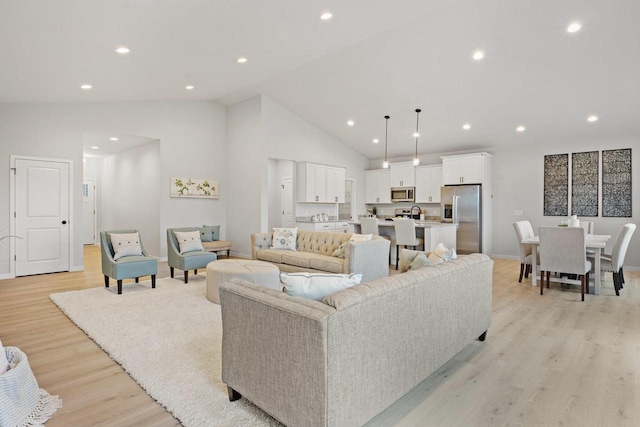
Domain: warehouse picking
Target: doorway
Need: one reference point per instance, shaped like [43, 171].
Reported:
[287, 203]
[41, 204]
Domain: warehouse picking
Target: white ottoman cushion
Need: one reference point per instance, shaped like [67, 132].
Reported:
[258, 272]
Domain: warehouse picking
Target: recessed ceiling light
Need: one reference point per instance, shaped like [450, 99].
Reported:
[123, 50]
[95, 147]
[351, 123]
[521, 129]
[592, 118]
[189, 87]
[86, 86]
[478, 55]
[574, 27]
[113, 138]
[466, 126]
[326, 16]
[242, 60]
[376, 140]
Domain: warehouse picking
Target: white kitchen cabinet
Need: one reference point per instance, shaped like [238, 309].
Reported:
[466, 168]
[428, 183]
[320, 183]
[340, 227]
[378, 186]
[402, 174]
[440, 234]
[335, 184]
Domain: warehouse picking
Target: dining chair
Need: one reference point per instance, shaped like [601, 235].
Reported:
[371, 226]
[563, 249]
[587, 225]
[405, 229]
[524, 231]
[613, 262]
[130, 263]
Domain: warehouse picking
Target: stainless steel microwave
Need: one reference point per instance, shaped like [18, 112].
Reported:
[403, 194]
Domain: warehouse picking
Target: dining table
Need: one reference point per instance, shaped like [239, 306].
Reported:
[595, 242]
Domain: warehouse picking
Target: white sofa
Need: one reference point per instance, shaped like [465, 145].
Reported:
[341, 361]
[314, 251]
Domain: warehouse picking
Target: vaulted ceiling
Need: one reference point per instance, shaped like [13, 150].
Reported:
[371, 59]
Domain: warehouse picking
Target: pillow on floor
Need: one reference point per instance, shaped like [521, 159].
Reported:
[189, 241]
[125, 244]
[442, 254]
[317, 285]
[284, 238]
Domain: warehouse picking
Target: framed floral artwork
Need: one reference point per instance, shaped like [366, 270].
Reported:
[194, 187]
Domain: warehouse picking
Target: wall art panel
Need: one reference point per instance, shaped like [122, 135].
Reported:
[556, 185]
[616, 183]
[584, 183]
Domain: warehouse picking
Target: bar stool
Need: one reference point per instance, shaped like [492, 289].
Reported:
[405, 235]
[371, 226]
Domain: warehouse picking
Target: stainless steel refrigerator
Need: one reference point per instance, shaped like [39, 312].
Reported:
[462, 205]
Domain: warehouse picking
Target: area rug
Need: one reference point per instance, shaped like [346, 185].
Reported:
[169, 340]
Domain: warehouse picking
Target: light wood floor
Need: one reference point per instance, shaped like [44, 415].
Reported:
[547, 360]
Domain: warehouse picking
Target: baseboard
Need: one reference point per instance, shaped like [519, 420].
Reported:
[163, 259]
[505, 256]
[77, 268]
[6, 276]
[240, 255]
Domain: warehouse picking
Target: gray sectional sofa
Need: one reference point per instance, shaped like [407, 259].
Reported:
[314, 251]
[341, 361]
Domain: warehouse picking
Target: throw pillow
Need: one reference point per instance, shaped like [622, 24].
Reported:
[284, 238]
[125, 244]
[361, 237]
[189, 241]
[420, 261]
[442, 254]
[317, 285]
[206, 234]
[215, 232]
[4, 363]
[339, 253]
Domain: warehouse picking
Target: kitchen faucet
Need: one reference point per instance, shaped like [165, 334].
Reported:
[415, 216]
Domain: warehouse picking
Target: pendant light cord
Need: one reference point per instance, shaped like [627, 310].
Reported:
[386, 136]
[417, 134]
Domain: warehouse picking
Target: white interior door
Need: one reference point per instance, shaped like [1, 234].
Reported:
[287, 202]
[89, 211]
[41, 216]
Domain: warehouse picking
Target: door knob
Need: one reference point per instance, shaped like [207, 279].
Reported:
[64, 222]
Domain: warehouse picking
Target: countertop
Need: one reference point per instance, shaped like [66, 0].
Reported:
[421, 224]
[323, 222]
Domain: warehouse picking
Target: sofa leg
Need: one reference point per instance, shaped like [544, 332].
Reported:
[483, 336]
[153, 281]
[195, 272]
[171, 271]
[137, 280]
[119, 286]
[186, 276]
[106, 281]
[228, 253]
[233, 395]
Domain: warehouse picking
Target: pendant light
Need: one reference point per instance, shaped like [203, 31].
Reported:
[385, 164]
[416, 159]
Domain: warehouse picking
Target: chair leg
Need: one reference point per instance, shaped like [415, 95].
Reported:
[616, 283]
[153, 281]
[397, 255]
[171, 270]
[195, 272]
[137, 280]
[586, 285]
[106, 281]
[582, 285]
[119, 286]
[521, 272]
[548, 281]
[228, 253]
[186, 276]
[541, 282]
[621, 278]
[527, 270]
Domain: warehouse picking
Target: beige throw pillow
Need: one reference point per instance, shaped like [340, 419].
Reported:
[284, 238]
[442, 254]
[189, 241]
[420, 261]
[125, 244]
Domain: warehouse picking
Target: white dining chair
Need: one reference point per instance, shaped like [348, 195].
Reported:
[614, 262]
[587, 225]
[524, 231]
[563, 249]
[371, 226]
[405, 229]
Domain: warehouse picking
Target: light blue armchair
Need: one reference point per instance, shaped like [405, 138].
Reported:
[126, 267]
[187, 261]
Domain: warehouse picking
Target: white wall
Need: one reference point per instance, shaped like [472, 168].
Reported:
[192, 138]
[259, 129]
[130, 194]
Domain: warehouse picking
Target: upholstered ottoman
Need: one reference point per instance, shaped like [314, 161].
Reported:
[258, 272]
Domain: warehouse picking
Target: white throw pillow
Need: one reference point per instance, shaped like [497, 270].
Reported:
[361, 237]
[125, 244]
[420, 261]
[442, 254]
[4, 363]
[317, 285]
[189, 241]
[284, 238]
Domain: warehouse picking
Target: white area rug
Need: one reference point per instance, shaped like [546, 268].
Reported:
[169, 340]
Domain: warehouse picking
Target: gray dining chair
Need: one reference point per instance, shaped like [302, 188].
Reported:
[563, 249]
[405, 229]
[614, 262]
[371, 226]
[524, 231]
